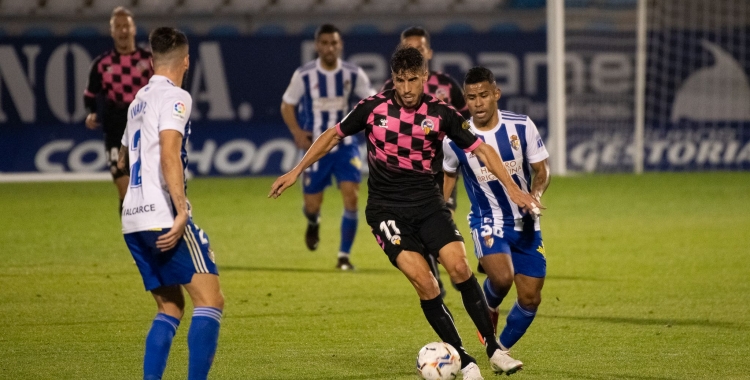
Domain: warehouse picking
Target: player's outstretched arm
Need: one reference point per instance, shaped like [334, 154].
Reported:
[493, 162]
[170, 142]
[319, 148]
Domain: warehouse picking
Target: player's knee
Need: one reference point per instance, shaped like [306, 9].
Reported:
[173, 309]
[529, 300]
[459, 271]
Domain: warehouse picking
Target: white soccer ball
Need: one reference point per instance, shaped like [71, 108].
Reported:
[438, 361]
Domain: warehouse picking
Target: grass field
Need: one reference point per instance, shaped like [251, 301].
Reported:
[648, 278]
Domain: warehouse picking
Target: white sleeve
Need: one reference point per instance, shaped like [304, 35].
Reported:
[535, 150]
[175, 111]
[450, 160]
[295, 90]
[363, 87]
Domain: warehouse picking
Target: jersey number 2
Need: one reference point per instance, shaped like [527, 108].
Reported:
[135, 169]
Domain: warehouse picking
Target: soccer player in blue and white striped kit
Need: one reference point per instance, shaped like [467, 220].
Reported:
[321, 91]
[507, 240]
[171, 252]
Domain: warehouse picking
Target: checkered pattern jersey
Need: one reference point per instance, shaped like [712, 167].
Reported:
[401, 145]
[117, 78]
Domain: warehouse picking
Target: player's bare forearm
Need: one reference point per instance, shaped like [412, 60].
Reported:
[302, 139]
[495, 164]
[171, 168]
[123, 160]
[541, 179]
[449, 182]
[322, 145]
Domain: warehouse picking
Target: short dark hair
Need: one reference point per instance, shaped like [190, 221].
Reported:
[166, 39]
[417, 31]
[326, 29]
[406, 59]
[479, 74]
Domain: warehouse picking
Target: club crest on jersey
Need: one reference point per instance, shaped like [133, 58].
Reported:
[179, 111]
[347, 85]
[427, 126]
[382, 123]
[488, 241]
[515, 143]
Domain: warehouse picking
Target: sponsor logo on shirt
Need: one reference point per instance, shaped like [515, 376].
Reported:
[179, 110]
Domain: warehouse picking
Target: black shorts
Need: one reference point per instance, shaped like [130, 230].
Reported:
[418, 229]
[451, 202]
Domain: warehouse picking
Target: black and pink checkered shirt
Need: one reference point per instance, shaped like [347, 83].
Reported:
[401, 145]
[117, 77]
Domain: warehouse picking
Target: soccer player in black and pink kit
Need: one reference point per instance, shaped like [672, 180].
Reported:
[116, 76]
[442, 86]
[405, 210]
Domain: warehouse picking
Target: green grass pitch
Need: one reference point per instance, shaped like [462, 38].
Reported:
[648, 278]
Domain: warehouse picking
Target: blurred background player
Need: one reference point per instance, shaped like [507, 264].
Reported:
[445, 88]
[115, 77]
[171, 252]
[321, 91]
[507, 240]
[405, 210]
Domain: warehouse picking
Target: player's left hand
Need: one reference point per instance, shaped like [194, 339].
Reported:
[170, 239]
[282, 183]
[528, 203]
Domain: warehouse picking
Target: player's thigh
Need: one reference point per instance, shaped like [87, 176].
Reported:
[204, 290]
[170, 300]
[437, 229]
[394, 230]
[317, 177]
[414, 266]
[453, 258]
[527, 253]
[494, 253]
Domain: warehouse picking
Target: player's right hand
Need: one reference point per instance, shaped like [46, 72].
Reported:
[172, 238]
[282, 183]
[91, 122]
[303, 139]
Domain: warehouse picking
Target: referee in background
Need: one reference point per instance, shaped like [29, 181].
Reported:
[115, 78]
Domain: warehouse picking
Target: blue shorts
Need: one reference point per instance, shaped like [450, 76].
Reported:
[177, 266]
[344, 164]
[526, 247]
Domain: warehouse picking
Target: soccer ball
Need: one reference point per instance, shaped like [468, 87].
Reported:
[438, 361]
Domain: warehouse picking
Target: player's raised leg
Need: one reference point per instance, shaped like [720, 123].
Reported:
[349, 221]
[203, 335]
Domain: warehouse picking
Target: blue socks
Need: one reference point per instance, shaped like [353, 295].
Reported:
[202, 340]
[519, 319]
[493, 300]
[158, 343]
[348, 230]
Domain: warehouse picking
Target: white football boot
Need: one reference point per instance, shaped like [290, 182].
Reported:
[471, 372]
[501, 362]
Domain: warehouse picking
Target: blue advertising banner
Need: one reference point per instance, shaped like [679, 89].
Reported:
[237, 84]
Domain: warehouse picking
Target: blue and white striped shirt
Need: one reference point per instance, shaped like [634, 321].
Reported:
[519, 144]
[323, 96]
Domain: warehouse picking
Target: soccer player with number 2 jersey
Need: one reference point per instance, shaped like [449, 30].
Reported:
[171, 252]
[405, 210]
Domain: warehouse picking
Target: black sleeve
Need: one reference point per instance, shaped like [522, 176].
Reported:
[457, 128]
[356, 120]
[94, 86]
[457, 98]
